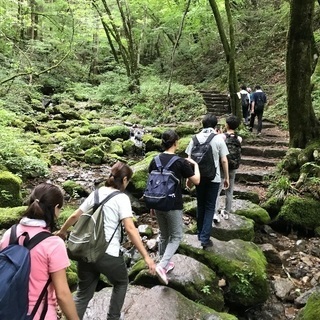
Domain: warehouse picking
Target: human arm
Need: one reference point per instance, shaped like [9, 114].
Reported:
[136, 240]
[63, 294]
[225, 168]
[62, 233]
[195, 179]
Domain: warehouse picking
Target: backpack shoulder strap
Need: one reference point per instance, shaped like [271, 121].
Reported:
[212, 134]
[171, 162]
[96, 199]
[13, 234]
[195, 140]
[158, 163]
[37, 239]
[111, 195]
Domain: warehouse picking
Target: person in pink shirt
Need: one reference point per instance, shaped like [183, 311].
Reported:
[49, 258]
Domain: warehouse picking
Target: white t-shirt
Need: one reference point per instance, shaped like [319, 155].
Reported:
[115, 210]
[218, 145]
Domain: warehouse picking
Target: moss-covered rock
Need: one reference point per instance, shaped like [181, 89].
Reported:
[10, 216]
[116, 148]
[312, 309]
[114, 132]
[151, 143]
[94, 155]
[256, 213]
[129, 148]
[272, 206]
[10, 190]
[303, 212]
[74, 189]
[241, 263]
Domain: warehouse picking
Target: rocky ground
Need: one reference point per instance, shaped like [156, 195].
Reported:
[294, 259]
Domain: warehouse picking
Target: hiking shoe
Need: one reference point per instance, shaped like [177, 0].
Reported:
[161, 273]
[216, 217]
[169, 267]
[224, 214]
[207, 244]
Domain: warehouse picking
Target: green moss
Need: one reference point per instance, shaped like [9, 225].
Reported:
[10, 216]
[303, 212]
[311, 310]
[74, 189]
[115, 132]
[273, 206]
[94, 155]
[256, 213]
[116, 148]
[151, 143]
[10, 189]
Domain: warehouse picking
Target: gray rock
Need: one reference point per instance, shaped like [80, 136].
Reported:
[271, 253]
[283, 288]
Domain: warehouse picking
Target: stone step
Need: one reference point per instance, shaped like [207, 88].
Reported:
[249, 174]
[266, 152]
[262, 141]
[258, 161]
[216, 99]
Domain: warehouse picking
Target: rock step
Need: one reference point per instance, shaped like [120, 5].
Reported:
[261, 141]
[266, 152]
[247, 174]
[258, 161]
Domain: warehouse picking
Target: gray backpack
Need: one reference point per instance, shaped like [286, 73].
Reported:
[87, 242]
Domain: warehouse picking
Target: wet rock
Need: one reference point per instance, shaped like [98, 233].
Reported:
[271, 253]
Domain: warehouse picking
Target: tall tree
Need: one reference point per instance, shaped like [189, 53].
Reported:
[229, 51]
[303, 124]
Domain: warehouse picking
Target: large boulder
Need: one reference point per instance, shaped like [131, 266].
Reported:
[10, 216]
[157, 303]
[10, 190]
[191, 278]
[241, 263]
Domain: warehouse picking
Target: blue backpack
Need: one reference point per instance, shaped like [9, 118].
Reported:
[161, 186]
[14, 274]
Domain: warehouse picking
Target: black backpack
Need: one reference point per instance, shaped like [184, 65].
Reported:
[15, 264]
[161, 186]
[202, 154]
[244, 100]
[234, 147]
[259, 101]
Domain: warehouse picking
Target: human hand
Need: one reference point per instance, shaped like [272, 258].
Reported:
[151, 265]
[226, 183]
[62, 234]
[189, 184]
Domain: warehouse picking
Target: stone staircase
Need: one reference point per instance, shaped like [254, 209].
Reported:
[216, 102]
[260, 155]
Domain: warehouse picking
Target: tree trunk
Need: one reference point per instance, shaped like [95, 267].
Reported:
[229, 51]
[303, 125]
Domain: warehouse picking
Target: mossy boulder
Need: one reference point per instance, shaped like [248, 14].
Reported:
[114, 132]
[302, 212]
[197, 282]
[256, 213]
[74, 189]
[129, 148]
[182, 145]
[290, 162]
[10, 190]
[138, 181]
[311, 310]
[272, 206]
[151, 143]
[241, 263]
[116, 148]
[10, 216]
[94, 155]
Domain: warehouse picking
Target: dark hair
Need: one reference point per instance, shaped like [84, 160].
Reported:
[169, 137]
[118, 171]
[209, 121]
[233, 122]
[42, 202]
[244, 87]
[257, 87]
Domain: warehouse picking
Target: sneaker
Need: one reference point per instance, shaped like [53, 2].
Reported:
[161, 273]
[224, 214]
[259, 134]
[207, 244]
[169, 267]
[216, 217]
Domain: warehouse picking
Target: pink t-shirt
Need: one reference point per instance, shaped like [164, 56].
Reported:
[48, 256]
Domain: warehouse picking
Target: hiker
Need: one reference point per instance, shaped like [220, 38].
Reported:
[207, 190]
[49, 257]
[112, 263]
[259, 99]
[233, 142]
[245, 103]
[170, 222]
